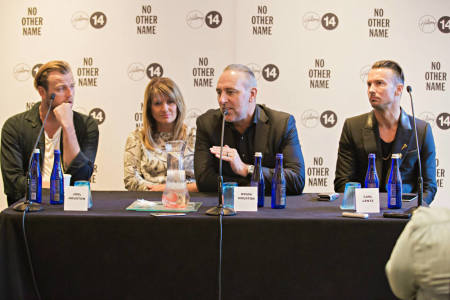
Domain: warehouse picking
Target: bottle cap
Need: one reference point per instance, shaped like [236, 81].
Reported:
[396, 155]
[57, 151]
[371, 155]
[258, 154]
[279, 155]
[36, 150]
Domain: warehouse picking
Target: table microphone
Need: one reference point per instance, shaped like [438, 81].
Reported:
[420, 179]
[219, 209]
[410, 211]
[27, 204]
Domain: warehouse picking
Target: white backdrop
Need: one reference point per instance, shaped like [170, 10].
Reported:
[311, 59]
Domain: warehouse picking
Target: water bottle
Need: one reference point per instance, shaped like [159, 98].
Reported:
[57, 181]
[34, 174]
[258, 179]
[278, 184]
[371, 175]
[394, 186]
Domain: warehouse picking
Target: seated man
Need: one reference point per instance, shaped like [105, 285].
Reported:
[249, 128]
[419, 267]
[385, 130]
[75, 134]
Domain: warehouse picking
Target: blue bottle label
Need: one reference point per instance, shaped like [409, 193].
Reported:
[281, 194]
[372, 185]
[57, 190]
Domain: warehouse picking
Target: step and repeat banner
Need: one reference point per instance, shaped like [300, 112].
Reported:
[311, 58]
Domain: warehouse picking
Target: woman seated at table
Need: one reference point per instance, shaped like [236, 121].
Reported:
[145, 159]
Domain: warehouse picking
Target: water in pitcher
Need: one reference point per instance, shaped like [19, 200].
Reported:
[175, 194]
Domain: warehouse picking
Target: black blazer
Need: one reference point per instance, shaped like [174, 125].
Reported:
[18, 136]
[359, 138]
[275, 133]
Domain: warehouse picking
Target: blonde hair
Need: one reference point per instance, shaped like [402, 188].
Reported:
[41, 78]
[167, 88]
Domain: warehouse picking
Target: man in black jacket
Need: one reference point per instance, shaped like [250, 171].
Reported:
[75, 134]
[249, 128]
[385, 130]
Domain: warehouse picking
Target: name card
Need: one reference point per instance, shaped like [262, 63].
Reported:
[76, 198]
[246, 198]
[367, 200]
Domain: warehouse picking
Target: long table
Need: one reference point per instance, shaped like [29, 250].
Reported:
[306, 251]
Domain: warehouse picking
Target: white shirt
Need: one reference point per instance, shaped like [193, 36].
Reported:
[419, 267]
[51, 144]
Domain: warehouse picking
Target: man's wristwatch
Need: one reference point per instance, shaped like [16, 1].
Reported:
[250, 169]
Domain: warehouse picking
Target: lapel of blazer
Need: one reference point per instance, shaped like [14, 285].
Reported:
[370, 142]
[403, 136]
[262, 131]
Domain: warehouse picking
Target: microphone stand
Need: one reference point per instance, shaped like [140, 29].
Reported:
[29, 205]
[420, 179]
[219, 209]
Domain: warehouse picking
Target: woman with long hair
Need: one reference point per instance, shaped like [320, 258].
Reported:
[145, 159]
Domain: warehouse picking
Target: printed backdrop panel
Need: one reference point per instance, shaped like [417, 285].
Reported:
[311, 58]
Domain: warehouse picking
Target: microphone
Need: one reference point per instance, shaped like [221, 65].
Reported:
[219, 209]
[420, 179]
[27, 204]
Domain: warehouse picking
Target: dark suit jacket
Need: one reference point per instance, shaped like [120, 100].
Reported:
[18, 137]
[275, 133]
[359, 138]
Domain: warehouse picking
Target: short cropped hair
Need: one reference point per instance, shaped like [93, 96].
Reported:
[251, 80]
[390, 64]
[41, 78]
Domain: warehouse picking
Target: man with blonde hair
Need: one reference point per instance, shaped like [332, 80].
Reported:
[75, 134]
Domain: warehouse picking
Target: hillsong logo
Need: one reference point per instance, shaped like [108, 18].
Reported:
[256, 69]
[195, 19]
[136, 71]
[21, 72]
[364, 73]
[312, 21]
[428, 24]
[311, 118]
[428, 117]
[81, 20]
[191, 117]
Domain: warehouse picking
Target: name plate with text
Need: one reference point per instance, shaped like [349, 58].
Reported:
[367, 200]
[246, 198]
[76, 198]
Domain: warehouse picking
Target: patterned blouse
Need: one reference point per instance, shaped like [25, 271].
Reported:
[144, 167]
